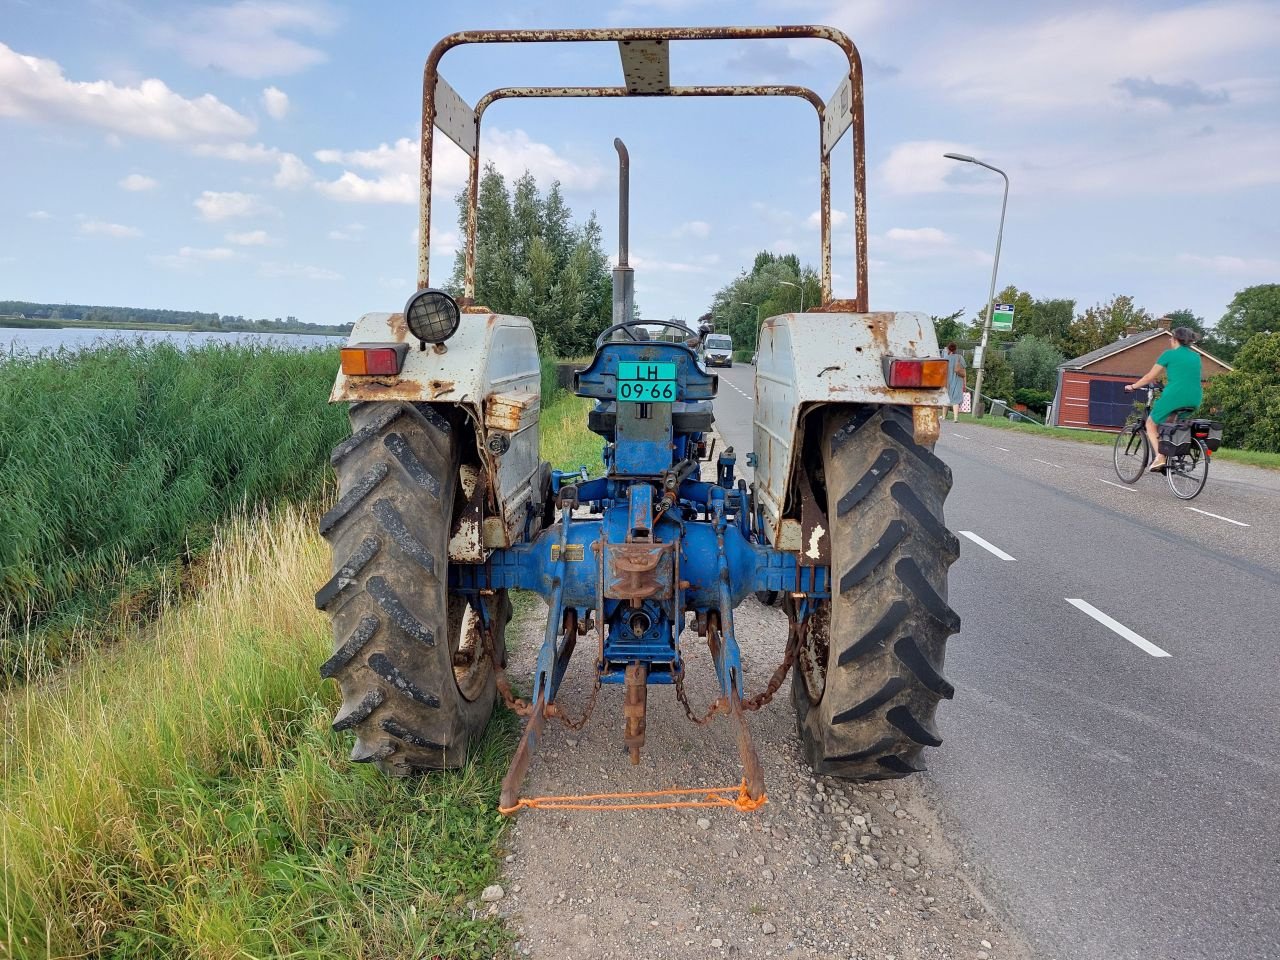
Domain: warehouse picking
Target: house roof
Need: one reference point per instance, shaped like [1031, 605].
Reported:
[1123, 344]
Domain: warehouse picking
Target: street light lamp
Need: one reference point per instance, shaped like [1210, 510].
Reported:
[788, 283]
[991, 296]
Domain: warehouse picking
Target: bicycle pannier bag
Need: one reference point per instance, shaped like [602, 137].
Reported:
[1175, 438]
[1209, 432]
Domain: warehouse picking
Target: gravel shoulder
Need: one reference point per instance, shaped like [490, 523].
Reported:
[825, 869]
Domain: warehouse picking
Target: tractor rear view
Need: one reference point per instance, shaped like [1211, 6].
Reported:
[445, 507]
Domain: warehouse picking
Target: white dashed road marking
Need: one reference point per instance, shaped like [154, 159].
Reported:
[1116, 485]
[986, 546]
[1142, 644]
[1038, 460]
[1217, 517]
[738, 388]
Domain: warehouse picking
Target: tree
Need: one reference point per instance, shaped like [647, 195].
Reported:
[1247, 399]
[1050, 320]
[764, 292]
[1035, 364]
[1253, 310]
[949, 328]
[1104, 323]
[531, 261]
[1022, 308]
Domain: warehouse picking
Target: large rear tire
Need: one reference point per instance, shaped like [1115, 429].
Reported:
[417, 685]
[868, 678]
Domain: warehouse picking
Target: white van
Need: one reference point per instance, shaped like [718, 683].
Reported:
[718, 350]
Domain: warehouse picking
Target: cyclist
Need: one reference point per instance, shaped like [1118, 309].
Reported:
[1181, 366]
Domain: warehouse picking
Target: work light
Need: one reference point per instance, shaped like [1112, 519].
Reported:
[432, 316]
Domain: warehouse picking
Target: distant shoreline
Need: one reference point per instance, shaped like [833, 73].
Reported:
[39, 323]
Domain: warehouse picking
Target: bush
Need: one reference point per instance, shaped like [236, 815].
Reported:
[1037, 401]
[1247, 400]
[1035, 364]
[743, 356]
[116, 463]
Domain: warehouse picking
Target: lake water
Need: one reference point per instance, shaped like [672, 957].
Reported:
[17, 340]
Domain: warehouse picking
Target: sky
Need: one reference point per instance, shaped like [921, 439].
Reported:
[260, 158]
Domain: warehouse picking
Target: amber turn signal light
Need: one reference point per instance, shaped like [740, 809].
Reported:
[917, 373]
[373, 359]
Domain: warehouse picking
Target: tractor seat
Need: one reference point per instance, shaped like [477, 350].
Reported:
[687, 416]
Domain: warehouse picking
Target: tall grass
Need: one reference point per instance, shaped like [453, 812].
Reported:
[183, 796]
[116, 462]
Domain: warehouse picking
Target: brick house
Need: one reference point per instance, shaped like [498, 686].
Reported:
[1091, 388]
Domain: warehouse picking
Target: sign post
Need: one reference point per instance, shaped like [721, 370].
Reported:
[1002, 317]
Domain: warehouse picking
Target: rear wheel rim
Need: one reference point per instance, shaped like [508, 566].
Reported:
[1188, 473]
[1130, 456]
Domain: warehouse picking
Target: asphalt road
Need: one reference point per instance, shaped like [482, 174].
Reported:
[1112, 755]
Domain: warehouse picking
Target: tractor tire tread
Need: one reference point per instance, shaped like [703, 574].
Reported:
[872, 712]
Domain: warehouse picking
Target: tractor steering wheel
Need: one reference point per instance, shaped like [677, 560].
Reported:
[628, 325]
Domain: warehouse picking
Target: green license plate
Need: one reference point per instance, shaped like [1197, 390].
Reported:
[646, 382]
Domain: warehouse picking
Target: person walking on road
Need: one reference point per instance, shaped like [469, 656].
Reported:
[1182, 367]
[957, 379]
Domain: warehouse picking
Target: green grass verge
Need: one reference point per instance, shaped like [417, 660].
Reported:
[566, 442]
[183, 795]
[1252, 457]
[117, 462]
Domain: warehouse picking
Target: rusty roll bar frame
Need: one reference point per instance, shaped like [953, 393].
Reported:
[646, 70]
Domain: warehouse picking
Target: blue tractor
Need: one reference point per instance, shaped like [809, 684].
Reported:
[445, 507]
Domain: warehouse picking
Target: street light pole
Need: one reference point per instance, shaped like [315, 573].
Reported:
[788, 283]
[991, 295]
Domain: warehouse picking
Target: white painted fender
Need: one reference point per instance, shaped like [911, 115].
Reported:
[490, 368]
[812, 359]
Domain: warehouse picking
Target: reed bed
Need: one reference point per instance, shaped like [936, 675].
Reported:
[117, 462]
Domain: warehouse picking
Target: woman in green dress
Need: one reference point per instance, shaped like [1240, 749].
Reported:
[1180, 365]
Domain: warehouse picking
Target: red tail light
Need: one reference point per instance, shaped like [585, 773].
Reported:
[373, 359]
[917, 373]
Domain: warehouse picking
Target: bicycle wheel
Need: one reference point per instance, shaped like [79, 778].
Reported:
[1188, 472]
[1131, 454]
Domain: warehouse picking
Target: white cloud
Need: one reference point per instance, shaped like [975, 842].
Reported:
[351, 232]
[189, 257]
[104, 229]
[250, 238]
[222, 206]
[693, 228]
[34, 88]
[291, 172]
[395, 167]
[39, 215]
[1261, 267]
[249, 38]
[1076, 59]
[837, 217]
[136, 183]
[276, 102]
[924, 243]
[640, 262]
[300, 270]
[918, 166]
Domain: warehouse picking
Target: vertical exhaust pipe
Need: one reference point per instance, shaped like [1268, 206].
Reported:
[624, 279]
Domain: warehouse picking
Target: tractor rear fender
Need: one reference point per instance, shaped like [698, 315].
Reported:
[489, 369]
[808, 361]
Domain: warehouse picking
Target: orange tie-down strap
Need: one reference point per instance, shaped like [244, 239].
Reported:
[709, 797]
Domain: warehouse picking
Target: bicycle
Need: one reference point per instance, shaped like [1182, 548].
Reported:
[1186, 469]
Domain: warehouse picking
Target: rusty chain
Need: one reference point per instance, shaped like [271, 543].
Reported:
[523, 708]
[795, 636]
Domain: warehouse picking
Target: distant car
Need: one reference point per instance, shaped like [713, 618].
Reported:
[718, 350]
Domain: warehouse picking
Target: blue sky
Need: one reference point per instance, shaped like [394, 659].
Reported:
[259, 158]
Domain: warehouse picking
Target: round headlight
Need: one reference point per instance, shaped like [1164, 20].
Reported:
[432, 316]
